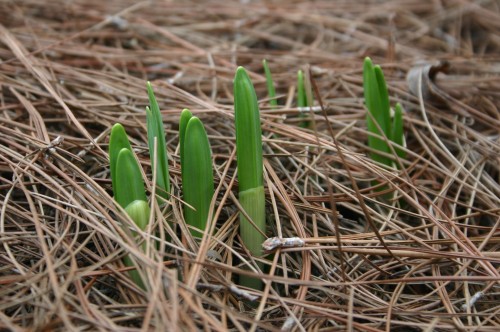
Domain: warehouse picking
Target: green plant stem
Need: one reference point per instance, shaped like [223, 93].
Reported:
[250, 168]
[253, 201]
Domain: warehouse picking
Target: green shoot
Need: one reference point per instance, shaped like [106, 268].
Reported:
[128, 185]
[301, 90]
[126, 176]
[129, 182]
[303, 98]
[117, 141]
[377, 102]
[270, 85]
[250, 168]
[139, 212]
[156, 130]
[379, 115]
[197, 174]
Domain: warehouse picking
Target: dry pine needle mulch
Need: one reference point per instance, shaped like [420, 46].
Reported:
[420, 253]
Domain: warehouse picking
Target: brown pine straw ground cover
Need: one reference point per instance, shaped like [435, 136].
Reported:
[425, 259]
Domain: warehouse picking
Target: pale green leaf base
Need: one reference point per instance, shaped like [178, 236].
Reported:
[253, 201]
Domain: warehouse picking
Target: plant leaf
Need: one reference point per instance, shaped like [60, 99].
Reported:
[155, 129]
[129, 182]
[301, 90]
[186, 115]
[250, 168]
[378, 111]
[384, 111]
[248, 132]
[117, 141]
[197, 179]
[270, 85]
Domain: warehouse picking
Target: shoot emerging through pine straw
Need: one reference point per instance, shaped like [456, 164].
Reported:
[128, 186]
[250, 169]
[197, 173]
[379, 115]
[156, 131]
[271, 91]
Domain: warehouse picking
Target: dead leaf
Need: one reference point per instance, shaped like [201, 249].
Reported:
[430, 92]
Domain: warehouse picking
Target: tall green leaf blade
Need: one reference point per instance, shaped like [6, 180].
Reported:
[304, 100]
[301, 90]
[270, 85]
[376, 109]
[186, 115]
[248, 132]
[129, 182]
[155, 129]
[384, 113]
[197, 177]
[250, 168]
[117, 141]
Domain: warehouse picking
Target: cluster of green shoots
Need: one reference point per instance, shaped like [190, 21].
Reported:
[196, 160]
[196, 170]
[378, 119]
[128, 183]
[304, 93]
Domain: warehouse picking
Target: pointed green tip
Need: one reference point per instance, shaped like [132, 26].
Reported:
[151, 95]
[149, 88]
[116, 126]
[118, 133]
[300, 77]
[195, 122]
[368, 64]
[241, 72]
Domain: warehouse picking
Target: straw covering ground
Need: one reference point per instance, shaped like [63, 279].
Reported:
[412, 247]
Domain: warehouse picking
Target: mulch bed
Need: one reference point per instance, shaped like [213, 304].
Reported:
[409, 248]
